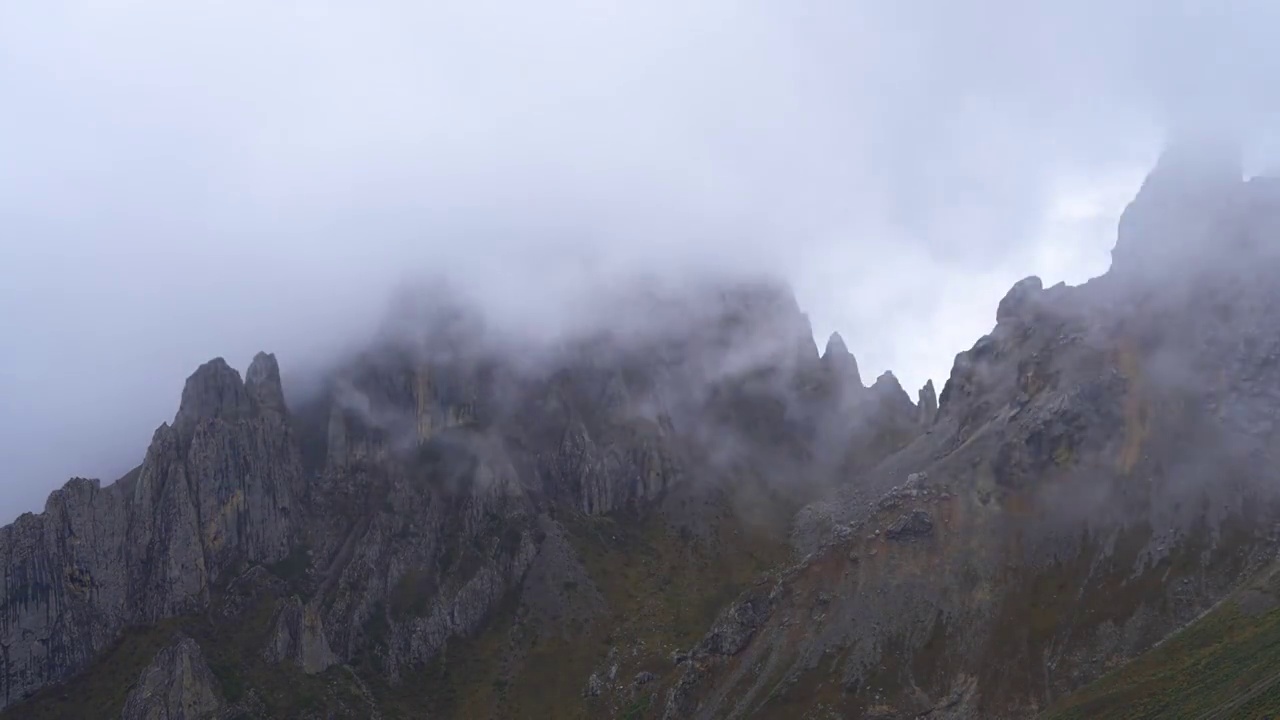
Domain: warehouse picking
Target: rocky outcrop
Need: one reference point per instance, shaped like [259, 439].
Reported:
[177, 685]
[1019, 304]
[65, 587]
[214, 491]
[927, 404]
[838, 362]
[911, 526]
[734, 629]
[888, 390]
[213, 392]
[170, 575]
[297, 636]
[262, 383]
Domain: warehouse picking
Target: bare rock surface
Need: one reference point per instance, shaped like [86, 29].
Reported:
[177, 685]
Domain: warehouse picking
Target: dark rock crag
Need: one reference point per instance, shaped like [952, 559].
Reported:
[214, 492]
[177, 685]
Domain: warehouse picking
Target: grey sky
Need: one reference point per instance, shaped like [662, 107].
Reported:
[179, 181]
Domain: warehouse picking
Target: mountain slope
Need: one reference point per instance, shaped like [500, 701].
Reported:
[1224, 665]
[693, 515]
[1100, 472]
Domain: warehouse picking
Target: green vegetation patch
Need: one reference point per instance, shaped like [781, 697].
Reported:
[1224, 665]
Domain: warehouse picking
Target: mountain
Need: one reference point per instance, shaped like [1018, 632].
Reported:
[693, 513]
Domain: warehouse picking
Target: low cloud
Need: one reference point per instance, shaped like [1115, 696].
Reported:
[183, 182]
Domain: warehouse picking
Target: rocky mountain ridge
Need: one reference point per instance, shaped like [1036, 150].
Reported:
[1107, 461]
[422, 480]
[698, 517]
[216, 490]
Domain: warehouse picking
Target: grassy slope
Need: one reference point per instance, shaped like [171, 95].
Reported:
[1224, 665]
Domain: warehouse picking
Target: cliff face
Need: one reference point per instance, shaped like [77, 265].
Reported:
[697, 515]
[178, 685]
[215, 492]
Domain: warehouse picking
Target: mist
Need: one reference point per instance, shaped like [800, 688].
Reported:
[184, 182]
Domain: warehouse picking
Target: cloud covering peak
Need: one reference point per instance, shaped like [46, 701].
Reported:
[180, 183]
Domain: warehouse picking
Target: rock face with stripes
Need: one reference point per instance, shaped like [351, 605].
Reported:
[214, 493]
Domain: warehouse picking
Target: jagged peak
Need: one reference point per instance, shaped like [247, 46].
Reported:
[889, 395]
[263, 367]
[839, 361]
[927, 403]
[214, 390]
[262, 380]
[887, 381]
[927, 395]
[1017, 300]
[75, 487]
[835, 346]
[72, 488]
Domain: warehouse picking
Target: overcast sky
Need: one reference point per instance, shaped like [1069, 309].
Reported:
[185, 180]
